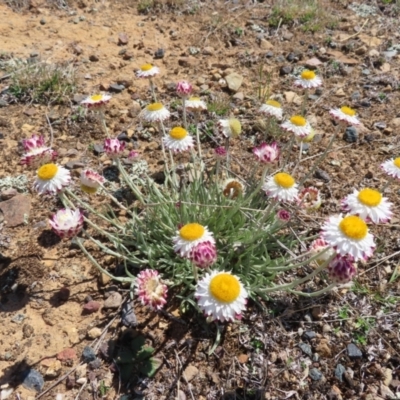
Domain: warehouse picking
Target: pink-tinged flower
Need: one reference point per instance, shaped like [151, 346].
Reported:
[310, 199]
[91, 181]
[342, 270]
[345, 114]
[183, 88]
[33, 143]
[150, 289]
[67, 223]
[51, 179]
[133, 155]
[220, 152]
[147, 71]
[266, 153]
[114, 148]
[37, 153]
[96, 100]
[204, 255]
[283, 215]
[321, 249]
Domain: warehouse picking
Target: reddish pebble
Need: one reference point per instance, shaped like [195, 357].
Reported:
[66, 354]
[91, 307]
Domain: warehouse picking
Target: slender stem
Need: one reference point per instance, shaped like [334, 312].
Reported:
[314, 294]
[304, 103]
[97, 265]
[153, 92]
[228, 157]
[217, 167]
[184, 113]
[300, 154]
[288, 148]
[103, 121]
[195, 274]
[198, 136]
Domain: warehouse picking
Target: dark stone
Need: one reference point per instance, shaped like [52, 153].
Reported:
[291, 57]
[269, 54]
[350, 135]
[123, 136]
[365, 103]
[353, 351]
[33, 380]
[42, 21]
[315, 374]
[285, 70]
[94, 58]
[88, 298]
[98, 149]
[1, 136]
[319, 91]
[160, 53]
[88, 354]
[356, 95]
[320, 174]
[70, 382]
[369, 138]
[309, 335]
[380, 125]
[95, 364]
[64, 293]
[306, 349]
[74, 244]
[128, 317]
[339, 371]
[115, 88]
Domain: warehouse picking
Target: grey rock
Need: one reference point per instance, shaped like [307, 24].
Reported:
[309, 335]
[285, 70]
[315, 374]
[33, 380]
[78, 98]
[123, 137]
[18, 318]
[42, 21]
[123, 39]
[128, 317]
[366, 71]
[98, 149]
[3, 103]
[234, 81]
[353, 351]
[88, 354]
[115, 88]
[319, 91]
[95, 364]
[380, 125]
[315, 357]
[113, 301]
[350, 135]
[269, 54]
[365, 103]
[320, 174]
[355, 95]
[291, 57]
[306, 349]
[287, 35]
[339, 371]
[160, 53]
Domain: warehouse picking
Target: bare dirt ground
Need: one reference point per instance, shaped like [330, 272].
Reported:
[299, 349]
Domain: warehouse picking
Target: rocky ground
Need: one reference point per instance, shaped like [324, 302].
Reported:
[61, 323]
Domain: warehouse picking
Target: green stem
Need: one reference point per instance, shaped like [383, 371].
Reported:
[314, 294]
[198, 137]
[153, 92]
[184, 113]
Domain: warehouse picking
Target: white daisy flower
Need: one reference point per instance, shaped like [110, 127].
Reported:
[297, 125]
[91, 181]
[155, 112]
[96, 100]
[221, 296]
[281, 187]
[230, 128]
[178, 140]
[345, 114]
[272, 108]
[51, 178]
[232, 188]
[308, 80]
[195, 104]
[349, 236]
[67, 223]
[147, 71]
[392, 167]
[369, 205]
[189, 236]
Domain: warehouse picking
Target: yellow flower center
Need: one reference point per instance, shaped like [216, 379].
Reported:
[233, 189]
[47, 172]
[225, 288]
[354, 227]
[308, 75]
[191, 232]
[146, 67]
[273, 103]
[369, 197]
[178, 133]
[284, 180]
[235, 126]
[396, 162]
[298, 120]
[348, 111]
[96, 97]
[155, 107]
[194, 98]
[88, 189]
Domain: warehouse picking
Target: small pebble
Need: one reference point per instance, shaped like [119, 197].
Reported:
[33, 380]
[88, 354]
[315, 374]
[339, 371]
[159, 54]
[128, 316]
[353, 351]
[309, 335]
[306, 349]
[350, 135]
